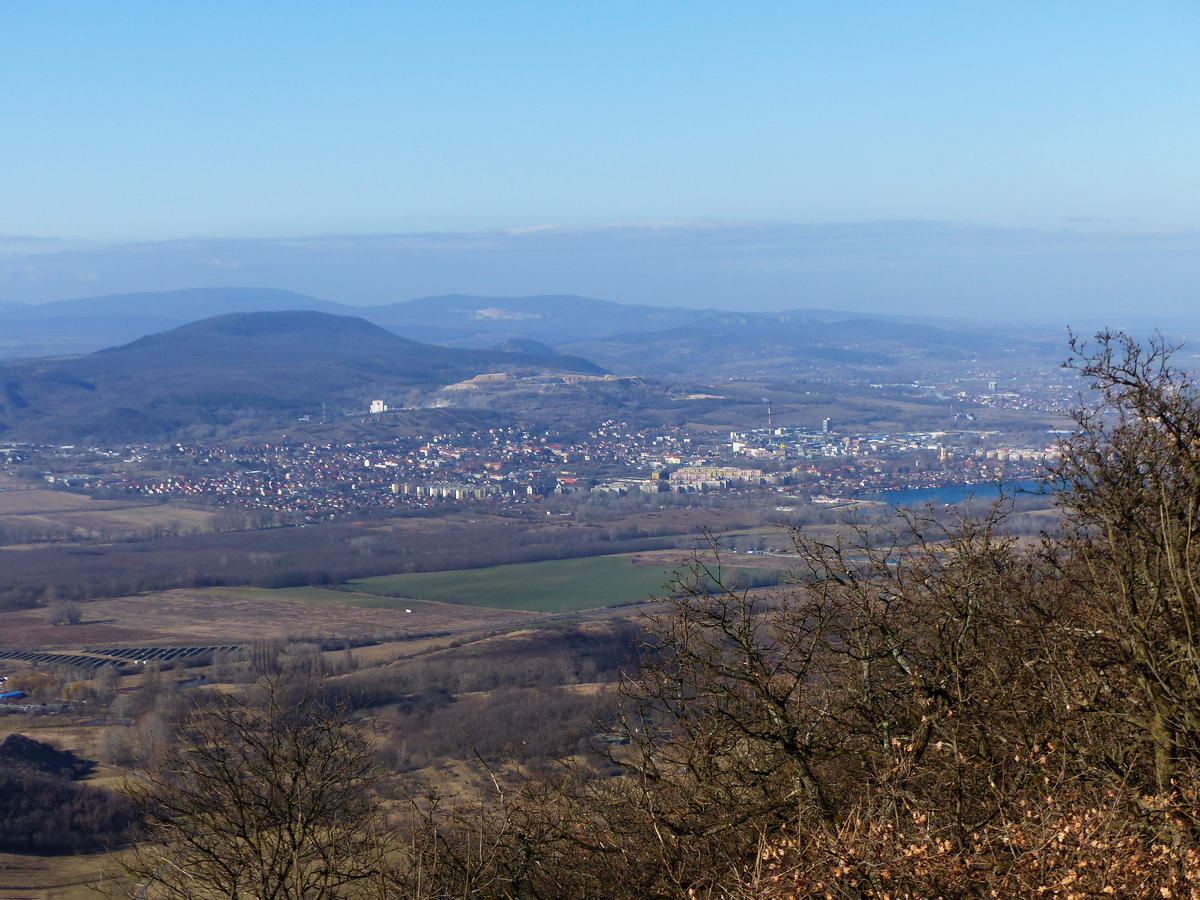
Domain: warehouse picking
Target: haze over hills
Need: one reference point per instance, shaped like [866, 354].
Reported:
[186, 303]
[91, 323]
[464, 320]
[1088, 274]
[241, 373]
[635, 339]
[264, 365]
[455, 319]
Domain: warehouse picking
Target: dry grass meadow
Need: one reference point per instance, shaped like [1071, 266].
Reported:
[239, 615]
[59, 515]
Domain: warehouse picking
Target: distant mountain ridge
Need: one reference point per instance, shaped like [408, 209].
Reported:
[459, 320]
[270, 365]
[656, 342]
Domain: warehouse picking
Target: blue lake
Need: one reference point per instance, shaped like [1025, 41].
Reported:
[952, 493]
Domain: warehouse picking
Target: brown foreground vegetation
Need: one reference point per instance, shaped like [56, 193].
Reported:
[935, 710]
[940, 713]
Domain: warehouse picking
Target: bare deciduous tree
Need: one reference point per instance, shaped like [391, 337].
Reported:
[265, 796]
[66, 612]
[1131, 489]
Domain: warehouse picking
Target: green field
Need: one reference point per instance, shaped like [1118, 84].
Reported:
[561, 585]
[553, 586]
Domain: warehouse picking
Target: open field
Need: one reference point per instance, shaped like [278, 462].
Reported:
[565, 585]
[555, 586]
[75, 733]
[678, 560]
[394, 651]
[25, 877]
[19, 503]
[238, 615]
[34, 516]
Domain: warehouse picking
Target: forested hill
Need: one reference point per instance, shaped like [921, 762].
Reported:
[280, 364]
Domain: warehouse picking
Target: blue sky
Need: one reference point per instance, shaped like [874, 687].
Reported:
[131, 120]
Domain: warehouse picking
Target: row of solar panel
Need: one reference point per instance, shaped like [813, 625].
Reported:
[162, 653]
[59, 659]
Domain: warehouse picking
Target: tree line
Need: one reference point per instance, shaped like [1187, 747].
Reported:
[291, 557]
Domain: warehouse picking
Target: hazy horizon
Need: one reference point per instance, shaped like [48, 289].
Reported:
[917, 268]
